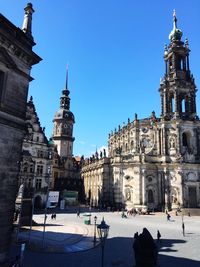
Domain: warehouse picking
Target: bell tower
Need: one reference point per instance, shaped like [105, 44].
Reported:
[177, 88]
[63, 125]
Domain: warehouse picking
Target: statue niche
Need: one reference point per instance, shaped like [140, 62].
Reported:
[128, 194]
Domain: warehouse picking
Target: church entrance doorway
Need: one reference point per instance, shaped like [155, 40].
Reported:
[192, 197]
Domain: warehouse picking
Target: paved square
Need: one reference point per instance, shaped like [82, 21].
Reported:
[175, 250]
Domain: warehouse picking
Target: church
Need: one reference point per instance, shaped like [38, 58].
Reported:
[155, 161]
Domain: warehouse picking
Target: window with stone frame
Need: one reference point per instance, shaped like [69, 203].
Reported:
[40, 154]
[29, 183]
[38, 183]
[31, 168]
[39, 169]
[25, 169]
[132, 144]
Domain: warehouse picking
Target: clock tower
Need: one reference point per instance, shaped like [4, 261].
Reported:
[63, 125]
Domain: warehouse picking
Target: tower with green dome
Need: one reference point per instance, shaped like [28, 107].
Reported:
[177, 88]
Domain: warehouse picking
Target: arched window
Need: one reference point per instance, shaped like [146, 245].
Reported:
[132, 144]
[150, 196]
[183, 106]
[172, 104]
[186, 139]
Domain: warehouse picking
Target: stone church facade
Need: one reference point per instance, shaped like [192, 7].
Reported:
[154, 161]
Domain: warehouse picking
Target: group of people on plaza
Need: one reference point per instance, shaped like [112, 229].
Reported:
[133, 212]
[53, 216]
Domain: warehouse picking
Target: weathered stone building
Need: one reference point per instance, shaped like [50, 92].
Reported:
[154, 161]
[36, 165]
[16, 60]
[66, 167]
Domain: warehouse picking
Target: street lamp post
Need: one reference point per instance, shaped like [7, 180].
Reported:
[45, 213]
[95, 222]
[33, 207]
[103, 230]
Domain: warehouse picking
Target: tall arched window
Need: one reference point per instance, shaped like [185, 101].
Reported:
[132, 144]
[172, 104]
[183, 106]
[186, 139]
[150, 196]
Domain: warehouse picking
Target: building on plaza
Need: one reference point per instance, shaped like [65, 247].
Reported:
[66, 167]
[36, 165]
[16, 61]
[154, 161]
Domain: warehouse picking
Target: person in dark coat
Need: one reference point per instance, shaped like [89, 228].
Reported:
[168, 216]
[183, 228]
[158, 236]
[145, 250]
[134, 238]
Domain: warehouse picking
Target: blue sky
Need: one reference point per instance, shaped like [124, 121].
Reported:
[114, 49]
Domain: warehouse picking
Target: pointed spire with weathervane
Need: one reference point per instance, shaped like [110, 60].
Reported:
[63, 124]
[176, 33]
[65, 99]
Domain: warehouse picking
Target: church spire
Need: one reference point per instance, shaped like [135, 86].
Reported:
[65, 99]
[176, 33]
[66, 85]
[63, 124]
[174, 19]
[177, 88]
[27, 23]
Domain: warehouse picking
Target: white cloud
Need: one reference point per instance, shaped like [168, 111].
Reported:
[82, 142]
[92, 145]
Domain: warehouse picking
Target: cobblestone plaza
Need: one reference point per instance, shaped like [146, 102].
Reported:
[174, 249]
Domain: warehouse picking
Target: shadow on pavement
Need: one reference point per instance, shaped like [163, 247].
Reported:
[118, 253]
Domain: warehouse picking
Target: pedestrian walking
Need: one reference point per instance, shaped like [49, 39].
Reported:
[168, 216]
[52, 216]
[78, 214]
[183, 228]
[55, 216]
[158, 236]
[135, 237]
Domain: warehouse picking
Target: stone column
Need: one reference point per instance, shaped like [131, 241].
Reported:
[181, 186]
[142, 173]
[176, 110]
